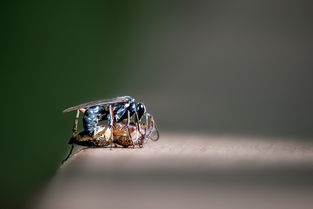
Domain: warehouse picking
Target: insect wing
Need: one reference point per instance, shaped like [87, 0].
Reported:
[99, 102]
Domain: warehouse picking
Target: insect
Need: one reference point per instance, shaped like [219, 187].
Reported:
[126, 123]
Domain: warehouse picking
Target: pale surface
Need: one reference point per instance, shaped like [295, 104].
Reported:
[187, 171]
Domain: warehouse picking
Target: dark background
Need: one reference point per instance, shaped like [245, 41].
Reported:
[222, 67]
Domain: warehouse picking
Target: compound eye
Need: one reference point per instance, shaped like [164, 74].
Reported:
[141, 109]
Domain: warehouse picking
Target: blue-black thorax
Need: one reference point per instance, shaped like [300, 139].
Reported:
[92, 117]
[121, 111]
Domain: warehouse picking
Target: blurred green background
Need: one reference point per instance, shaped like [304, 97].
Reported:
[56, 54]
[227, 67]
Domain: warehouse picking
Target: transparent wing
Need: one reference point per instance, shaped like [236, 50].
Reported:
[121, 99]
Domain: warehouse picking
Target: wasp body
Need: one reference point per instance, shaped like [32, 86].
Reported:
[126, 123]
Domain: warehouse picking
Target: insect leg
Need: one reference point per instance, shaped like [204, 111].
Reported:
[74, 130]
[111, 119]
[128, 122]
[156, 129]
[142, 137]
[157, 132]
[151, 126]
[69, 154]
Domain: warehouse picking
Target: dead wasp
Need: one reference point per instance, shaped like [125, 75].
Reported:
[127, 123]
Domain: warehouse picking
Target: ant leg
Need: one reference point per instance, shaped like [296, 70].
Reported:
[142, 137]
[152, 126]
[157, 132]
[68, 155]
[128, 122]
[137, 123]
[111, 119]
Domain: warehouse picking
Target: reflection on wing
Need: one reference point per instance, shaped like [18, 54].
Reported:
[99, 102]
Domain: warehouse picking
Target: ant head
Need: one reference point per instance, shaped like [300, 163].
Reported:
[141, 109]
